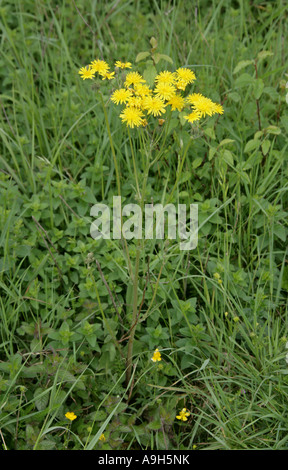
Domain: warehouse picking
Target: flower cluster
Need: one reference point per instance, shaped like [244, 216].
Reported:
[141, 101]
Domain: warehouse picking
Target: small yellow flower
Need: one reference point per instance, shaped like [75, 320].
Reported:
[177, 102]
[133, 78]
[132, 116]
[99, 66]
[161, 122]
[165, 91]
[226, 314]
[183, 414]
[156, 356]
[236, 319]
[121, 96]
[142, 90]
[86, 72]
[108, 76]
[192, 117]
[102, 438]
[185, 75]
[135, 101]
[70, 415]
[123, 65]
[204, 105]
[154, 105]
[165, 77]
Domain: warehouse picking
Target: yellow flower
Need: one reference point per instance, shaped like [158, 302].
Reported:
[165, 91]
[156, 356]
[181, 85]
[218, 108]
[154, 105]
[121, 96]
[194, 116]
[133, 78]
[177, 102]
[70, 415]
[108, 75]
[161, 122]
[202, 104]
[185, 75]
[102, 438]
[100, 66]
[123, 65]
[194, 98]
[183, 414]
[135, 101]
[86, 72]
[132, 116]
[142, 90]
[165, 77]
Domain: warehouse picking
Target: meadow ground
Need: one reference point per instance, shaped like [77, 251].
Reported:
[137, 344]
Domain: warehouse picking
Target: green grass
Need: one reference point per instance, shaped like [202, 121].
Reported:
[218, 313]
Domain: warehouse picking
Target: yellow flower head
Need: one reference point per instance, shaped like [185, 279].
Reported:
[135, 101]
[86, 72]
[102, 438]
[183, 414]
[202, 104]
[194, 116]
[132, 116]
[165, 91]
[121, 96]
[108, 76]
[154, 105]
[185, 75]
[142, 90]
[70, 415]
[218, 108]
[165, 77]
[123, 65]
[156, 356]
[99, 66]
[177, 102]
[133, 78]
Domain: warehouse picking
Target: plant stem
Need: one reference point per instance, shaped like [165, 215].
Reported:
[134, 321]
[117, 176]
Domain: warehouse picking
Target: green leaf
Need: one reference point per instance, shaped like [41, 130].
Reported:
[241, 65]
[197, 162]
[153, 42]
[212, 152]
[210, 132]
[265, 146]
[251, 145]
[41, 398]
[258, 88]
[263, 54]
[244, 80]
[149, 74]
[225, 142]
[273, 130]
[166, 58]
[142, 56]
